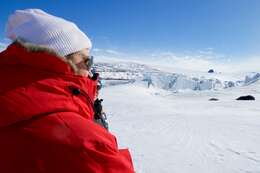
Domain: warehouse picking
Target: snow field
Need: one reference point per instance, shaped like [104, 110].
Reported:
[184, 132]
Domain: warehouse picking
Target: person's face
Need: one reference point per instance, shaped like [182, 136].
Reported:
[83, 61]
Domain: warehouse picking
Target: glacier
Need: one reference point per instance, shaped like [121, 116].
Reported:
[129, 72]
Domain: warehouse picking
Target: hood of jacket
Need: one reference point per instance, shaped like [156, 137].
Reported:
[34, 83]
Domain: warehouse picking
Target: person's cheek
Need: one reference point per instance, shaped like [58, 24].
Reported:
[83, 72]
[96, 94]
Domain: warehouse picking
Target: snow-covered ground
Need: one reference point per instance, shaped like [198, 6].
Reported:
[184, 132]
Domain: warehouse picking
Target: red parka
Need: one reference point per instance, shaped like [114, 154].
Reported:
[46, 119]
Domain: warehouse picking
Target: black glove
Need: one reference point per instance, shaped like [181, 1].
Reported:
[98, 108]
[99, 116]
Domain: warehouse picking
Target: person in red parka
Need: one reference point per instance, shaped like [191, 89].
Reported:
[46, 101]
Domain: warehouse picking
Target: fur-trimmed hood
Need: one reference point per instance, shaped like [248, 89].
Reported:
[30, 47]
[33, 74]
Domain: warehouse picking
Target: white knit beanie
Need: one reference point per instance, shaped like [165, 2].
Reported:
[38, 27]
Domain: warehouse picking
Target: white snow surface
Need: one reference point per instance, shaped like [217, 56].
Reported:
[183, 132]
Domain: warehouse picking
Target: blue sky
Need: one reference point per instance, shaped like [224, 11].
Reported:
[229, 28]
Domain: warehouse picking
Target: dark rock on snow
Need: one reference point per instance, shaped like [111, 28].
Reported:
[211, 71]
[213, 99]
[248, 97]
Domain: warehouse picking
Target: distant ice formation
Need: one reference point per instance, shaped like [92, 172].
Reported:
[128, 72]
